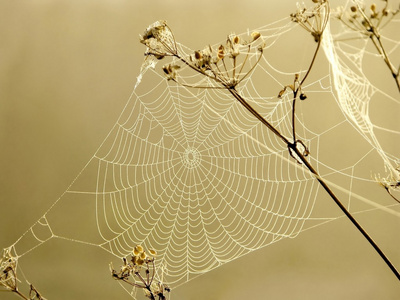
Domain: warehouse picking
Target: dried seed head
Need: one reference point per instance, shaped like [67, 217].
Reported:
[153, 31]
[373, 7]
[221, 52]
[353, 9]
[166, 71]
[236, 40]
[198, 55]
[136, 250]
[255, 35]
[153, 252]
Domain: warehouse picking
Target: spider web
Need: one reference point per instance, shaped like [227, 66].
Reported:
[189, 172]
[349, 54]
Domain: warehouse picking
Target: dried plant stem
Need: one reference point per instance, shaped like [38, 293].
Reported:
[20, 294]
[238, 97]
[376, 40]
[348, 214]
[391, 195]
[293, 147]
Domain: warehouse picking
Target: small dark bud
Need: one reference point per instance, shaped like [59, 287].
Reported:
[303, 96]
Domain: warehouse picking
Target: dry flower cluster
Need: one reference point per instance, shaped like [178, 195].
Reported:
[9, 279]
[368, 23]
[139, 272]
[314, 21]
[222, 64]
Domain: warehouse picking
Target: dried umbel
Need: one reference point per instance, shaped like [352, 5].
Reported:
[367, 22]
[139, 271]
[367, 19]
[8, 271]
[227, 65]
[9, 279]
[313, 20]
[159, 40]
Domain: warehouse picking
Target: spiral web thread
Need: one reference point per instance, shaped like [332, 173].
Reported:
[189, 172]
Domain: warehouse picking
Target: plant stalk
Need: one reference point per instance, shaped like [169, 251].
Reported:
[293, 146]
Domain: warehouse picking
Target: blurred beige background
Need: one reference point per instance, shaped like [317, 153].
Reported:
[67, 69]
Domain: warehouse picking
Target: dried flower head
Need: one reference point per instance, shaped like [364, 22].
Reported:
[159, 40]
[313, 20]
[9, 280]
[367, 22]
[8, 271]
[140, 272]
